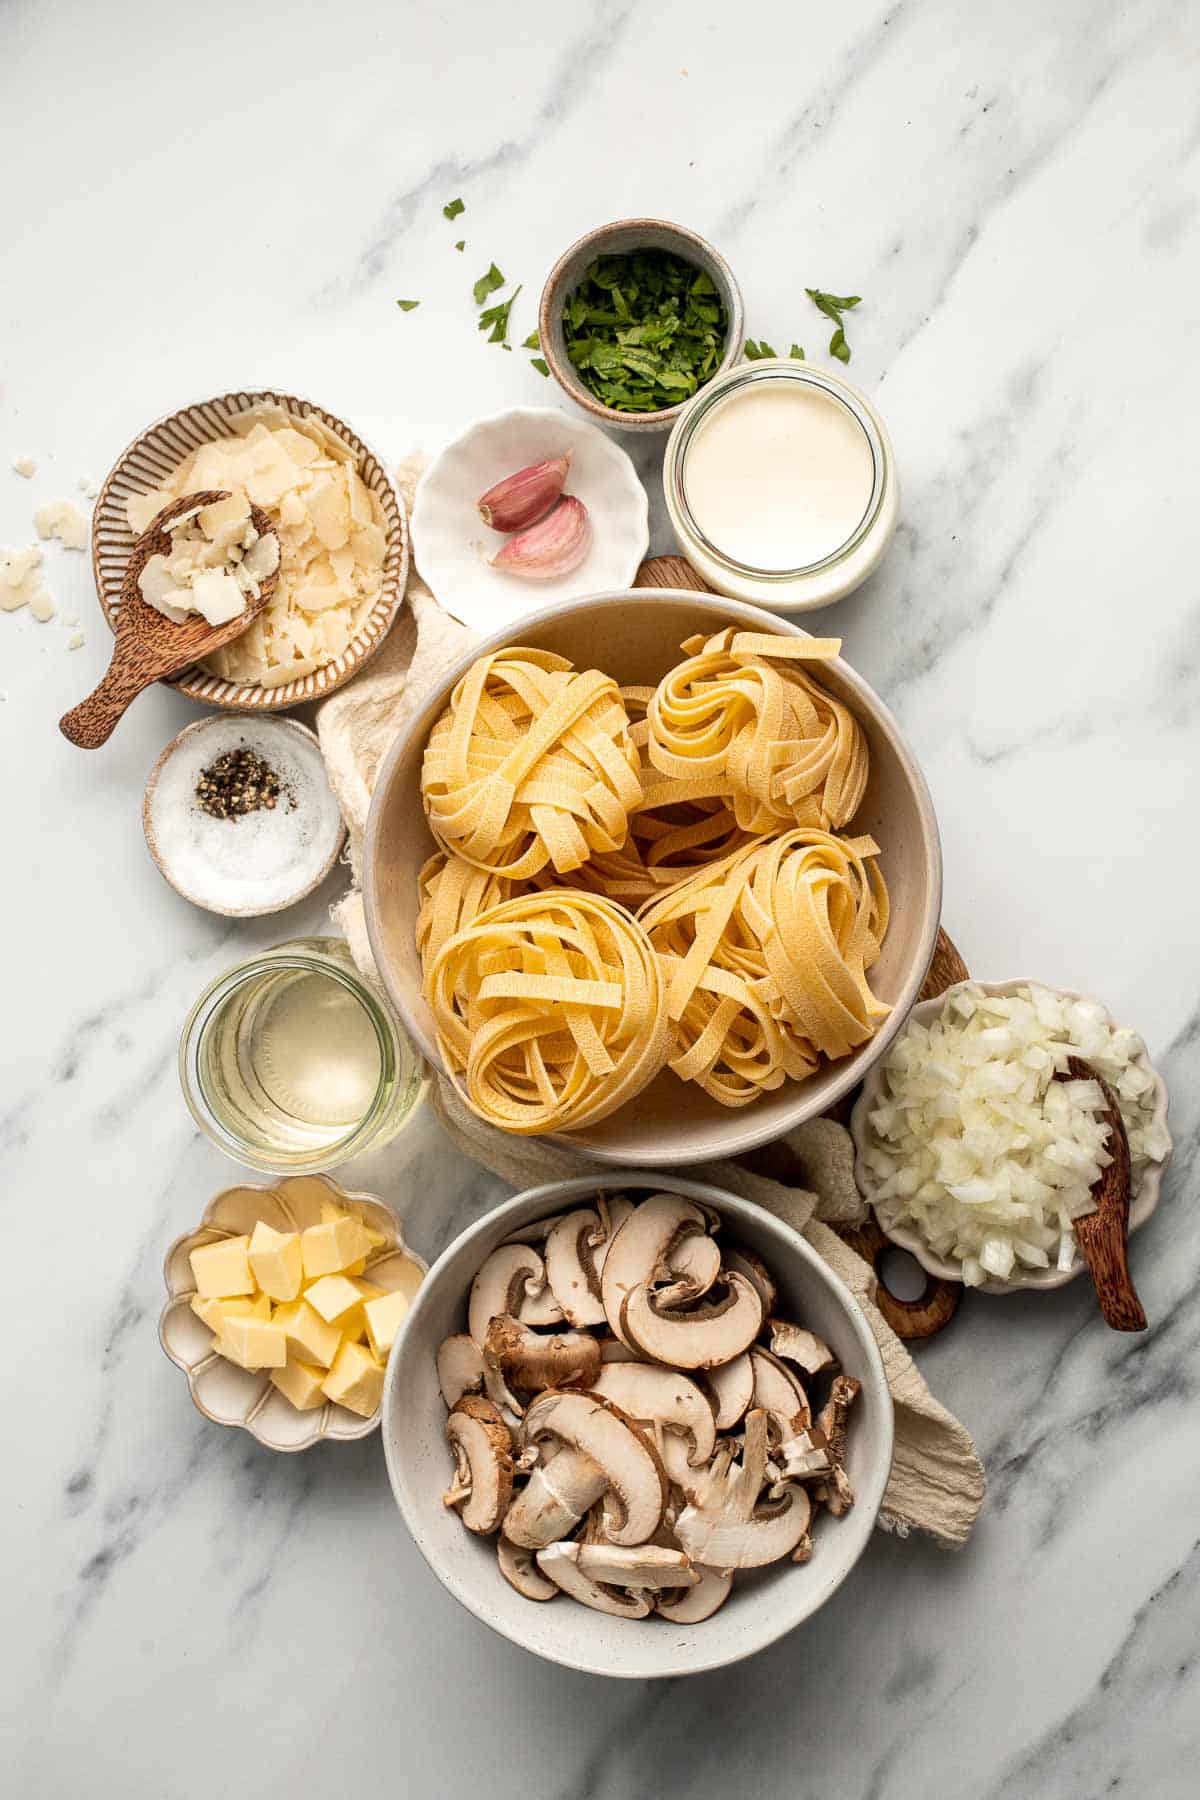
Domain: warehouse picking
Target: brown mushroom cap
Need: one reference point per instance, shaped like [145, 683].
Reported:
[512, 1280]
[534, 1361]
[690, 1606]
[519, 1569]
[638, 1254]
[704, 1336]
[483, 1457]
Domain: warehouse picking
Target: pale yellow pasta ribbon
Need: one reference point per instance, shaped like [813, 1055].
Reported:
[766, 957]
[551, 1006]
[743, 719]
[530, 765]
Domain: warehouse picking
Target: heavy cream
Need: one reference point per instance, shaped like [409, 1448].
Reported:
[781, 484]
[779, 475]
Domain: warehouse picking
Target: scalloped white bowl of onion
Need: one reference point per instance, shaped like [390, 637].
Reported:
[975, 1159]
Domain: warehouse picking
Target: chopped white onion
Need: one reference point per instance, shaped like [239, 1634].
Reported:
[976, 1145]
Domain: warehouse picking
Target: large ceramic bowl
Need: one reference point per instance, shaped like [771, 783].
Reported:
[635, 637]
[229, 1395]
[160, 448]
[907, 1237]
[764, 1604]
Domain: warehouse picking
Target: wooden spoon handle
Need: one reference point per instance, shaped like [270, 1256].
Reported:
[1104, 1250]
[94, 720]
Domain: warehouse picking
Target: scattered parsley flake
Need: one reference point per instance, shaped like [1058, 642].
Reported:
[407, 305]
[487, 284]
[453, 208]
[796, 353]
[532, 342]
[645, 330]
[758, 352]
[497, 317]
[461, 244]
[833, 306]
[540, 364]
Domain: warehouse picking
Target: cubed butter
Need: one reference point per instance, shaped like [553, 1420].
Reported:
[300, 1383]
[253, 1343]
[355, 1380]
[330, 1248]
[383, 1317]
[214, 1311]
[222, 1268]
[337, 1299]
[309, 1338]
[275, 1261]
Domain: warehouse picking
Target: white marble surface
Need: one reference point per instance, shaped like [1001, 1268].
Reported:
[195, 199]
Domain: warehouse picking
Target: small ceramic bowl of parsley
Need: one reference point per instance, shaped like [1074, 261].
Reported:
[636, 318]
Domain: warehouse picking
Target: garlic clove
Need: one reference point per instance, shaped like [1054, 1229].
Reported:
[521, 499]
[554, 546]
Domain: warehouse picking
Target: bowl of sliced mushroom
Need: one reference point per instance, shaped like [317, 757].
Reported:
[641, 1430]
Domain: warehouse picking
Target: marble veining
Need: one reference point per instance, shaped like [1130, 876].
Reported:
[1014, 191]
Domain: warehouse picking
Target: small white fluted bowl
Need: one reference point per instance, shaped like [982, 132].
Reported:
[229, 1395]
[765, 1603]
[452, 545]
[907, 1237]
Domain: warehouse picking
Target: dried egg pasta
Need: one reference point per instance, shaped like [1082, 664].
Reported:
[765, 958]
[453, 894]
[551, 1006]
[531, 765]
[740, 719]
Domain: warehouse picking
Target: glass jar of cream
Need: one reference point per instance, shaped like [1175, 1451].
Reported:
[781, 485]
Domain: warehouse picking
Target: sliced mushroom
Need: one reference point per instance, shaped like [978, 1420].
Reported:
[636, 1483]
[571, 1265]
[733, 1528]
[703, 1337]
[482, 1447]
[804, 1348]
[803, 1456]
[512, 1280]
[613, 1580]
[533, 1361]
[554, 1499]
[695, 1262]
[779, 1392]
[535, 1233]
[638, 1255]
[757, 1274]
[662, 1398]
[689, 1606]
[732, 1387]
[613, 1213]
[837, 1493]
[521, 1571]
[459, 1368]
[612, 1350]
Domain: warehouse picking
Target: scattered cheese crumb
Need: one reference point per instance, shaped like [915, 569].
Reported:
[21, 583]
[24, 465]
[87, 486]
[64, 521]
[76, 641]
[70, 618]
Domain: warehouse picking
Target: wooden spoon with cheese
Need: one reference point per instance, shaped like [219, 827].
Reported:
[149, 646]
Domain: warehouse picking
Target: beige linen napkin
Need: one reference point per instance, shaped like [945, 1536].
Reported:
[937, 1481]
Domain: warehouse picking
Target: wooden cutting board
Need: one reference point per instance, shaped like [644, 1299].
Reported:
[936, 1305]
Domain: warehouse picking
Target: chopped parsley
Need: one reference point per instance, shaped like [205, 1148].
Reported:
[796, 353]
[461, 244]
[452, 209]
[532, 342]
[540, 364]
[407, 305]
[833, 306]
[487, 284]
[497, 317]
[758, 352]
[645, 330]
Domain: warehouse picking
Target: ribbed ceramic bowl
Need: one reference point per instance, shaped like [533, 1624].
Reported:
[161, 447]
[635, 637]
[229, 1395]
[617, 240]
[906, 1237]
[764, 1604]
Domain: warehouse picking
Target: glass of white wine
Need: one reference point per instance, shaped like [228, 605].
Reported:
[290, 1063]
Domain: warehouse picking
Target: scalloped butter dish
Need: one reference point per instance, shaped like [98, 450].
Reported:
[453, 547]
[247, 1397]
[269, 857]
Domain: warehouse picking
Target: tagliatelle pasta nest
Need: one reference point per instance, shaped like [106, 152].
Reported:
[453, 894]
[741, 719]
[765, 957]
[530, 766]
[551, 1005]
